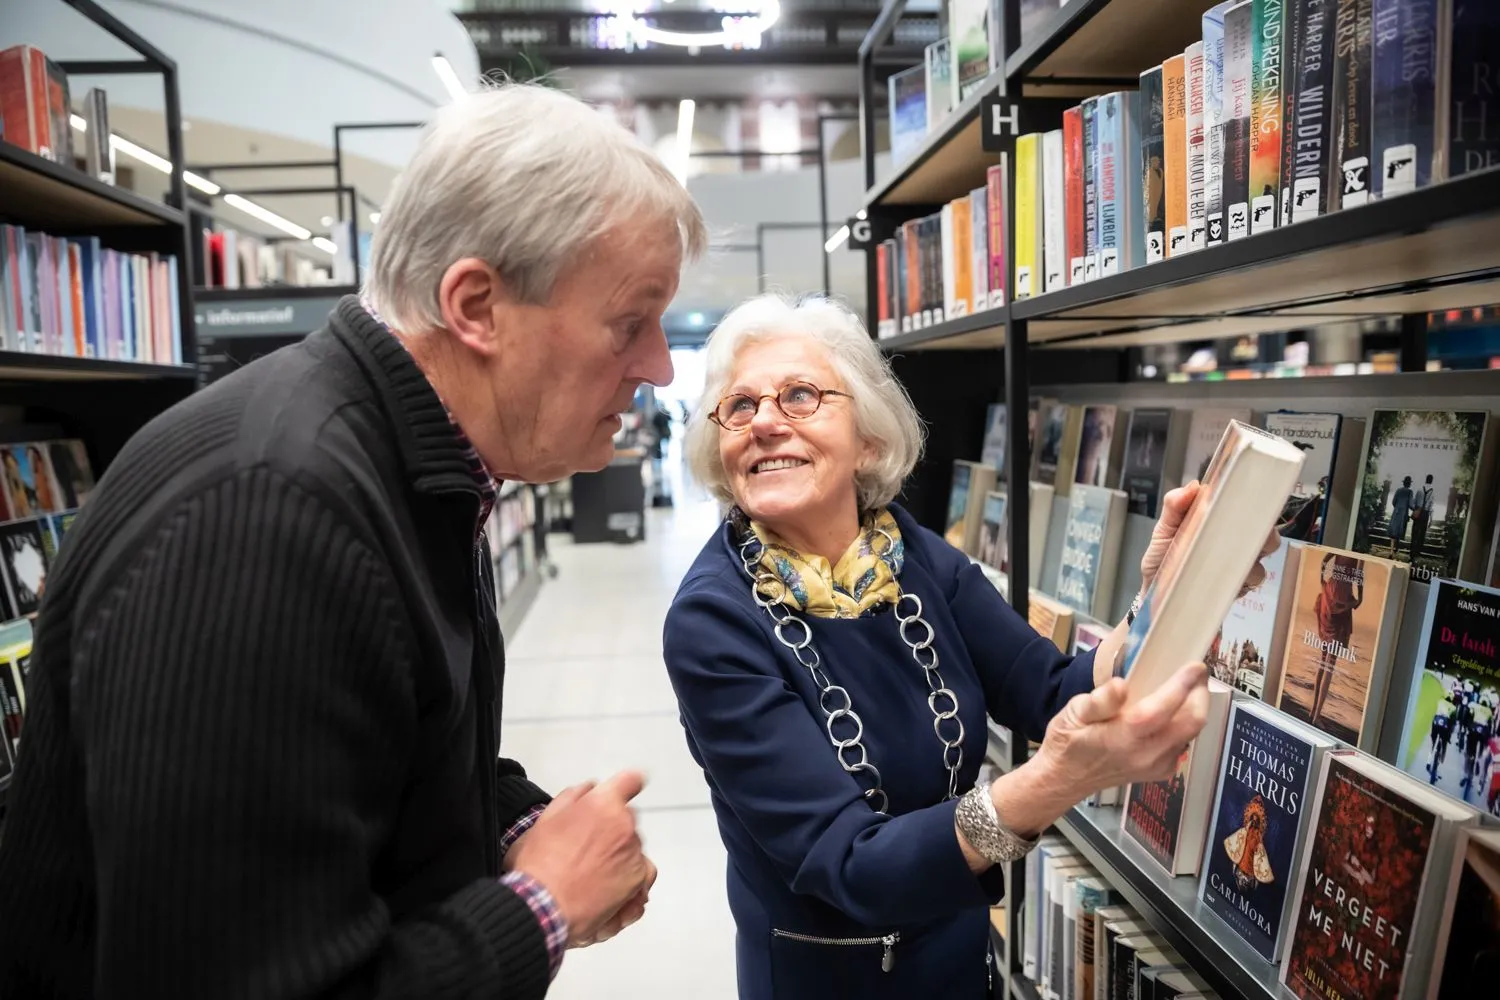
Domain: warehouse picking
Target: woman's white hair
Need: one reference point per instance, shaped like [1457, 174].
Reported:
[883, 413]
[522, 177]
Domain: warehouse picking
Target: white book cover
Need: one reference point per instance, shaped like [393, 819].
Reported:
[950, 297]
[1054, 241]
[979, 228]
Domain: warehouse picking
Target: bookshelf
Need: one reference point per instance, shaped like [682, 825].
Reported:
[1395, 260]
[60, 196]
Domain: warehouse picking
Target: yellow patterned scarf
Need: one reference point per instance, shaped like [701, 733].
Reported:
[863, 579]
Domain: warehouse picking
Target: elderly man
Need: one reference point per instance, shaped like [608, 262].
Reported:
[262, 753]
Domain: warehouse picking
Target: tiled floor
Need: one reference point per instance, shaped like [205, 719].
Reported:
[586, 695]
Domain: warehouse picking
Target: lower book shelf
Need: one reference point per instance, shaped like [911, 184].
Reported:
[1171, 906]
[1022, 988]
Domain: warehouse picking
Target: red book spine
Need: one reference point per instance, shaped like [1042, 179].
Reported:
[38, 92]
[883, 288]
[913, 269]
[1073, 211]
[994, 182]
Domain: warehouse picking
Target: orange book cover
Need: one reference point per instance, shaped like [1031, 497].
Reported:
[80, 318]
[963, 255]
[882, 284]
[1073, 193]
[1174, 117]
[18, 109]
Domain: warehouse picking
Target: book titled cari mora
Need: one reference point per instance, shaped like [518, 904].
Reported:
[1211, 555]
[1451, 707]
[1259, 813]
[1371, 884]
[1426, 495]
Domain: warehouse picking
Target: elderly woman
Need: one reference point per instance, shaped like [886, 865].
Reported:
[835, 664]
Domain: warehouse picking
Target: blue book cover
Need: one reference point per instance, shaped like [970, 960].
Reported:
[1091, 549]
[1474, 124]
[1122, 228]
[1104, 123]
[1403, 131]
[1259, 813]
[93, 296]
[908, 100]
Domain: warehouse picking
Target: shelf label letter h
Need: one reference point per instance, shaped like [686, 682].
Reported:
[999, 120]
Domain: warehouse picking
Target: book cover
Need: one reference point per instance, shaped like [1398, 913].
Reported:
[1051, 619]
[1153, 164]
[992, 532]
[1092, 895]
[958, 504]
[962, 250]
[995, 219]
[1349, 180]
[1132, 224]
[1414, 502]
[1238, 69]
[23, 562]
[979, 228]
[1317, 436]
[1197, 151]
[1090, 108]
[1265, 780]
[1096, 444]
[968, 27]
[1451, 709]
[1145, 460]
[1292, 12]
[1474, 121]
[1053, 421]
[1174, 153]
[1468, 955]
[1265, 113]
[1345, 612]
[1091, 549]
[1205, 431]
[1073, 207]
[995, 427]
[1054, 243]
[940, 82]
[1109, 118]
[1404, 91]
[1244, 649]
[1028, 215]
[1213, 122]
[1362, 877]
[1310, 134]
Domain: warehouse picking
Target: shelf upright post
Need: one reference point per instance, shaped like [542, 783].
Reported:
[1414, 342]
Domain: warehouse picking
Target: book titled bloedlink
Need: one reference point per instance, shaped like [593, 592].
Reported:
[1218, 543]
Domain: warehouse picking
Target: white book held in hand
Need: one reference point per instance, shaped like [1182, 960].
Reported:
[1216, 546]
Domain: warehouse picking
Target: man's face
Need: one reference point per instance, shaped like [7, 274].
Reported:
[565, 370]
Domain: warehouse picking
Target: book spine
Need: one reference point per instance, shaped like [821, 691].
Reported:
[1054, 243]
[1474, 124]
[1349, 174]
[1128, 146]
[1090, 189]
[995, 218]
[1238, 49]
[948, 246]
[882, 290]
[1174, 152]
[1153, 208]
[911, 268]
[962, 248]
[1310, 137]
[980, 248]
[1403, 129]
[1265, 113]
[1292, 15]
[1197, 151]
[1213, 127]
[1073, 209]
[1107, 129]
[1028, 209]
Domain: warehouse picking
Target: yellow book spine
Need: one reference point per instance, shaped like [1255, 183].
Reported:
[1028, 212]
[1174, 122]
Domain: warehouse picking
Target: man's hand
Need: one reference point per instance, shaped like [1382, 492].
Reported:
[585, 851]
[633, 910]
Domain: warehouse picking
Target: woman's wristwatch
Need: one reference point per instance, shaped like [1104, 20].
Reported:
[980, 824]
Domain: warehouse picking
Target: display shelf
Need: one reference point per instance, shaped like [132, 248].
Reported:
[1022, 988]
[982, 329]
[26, 366]
[950, 162]
[1430, 250]
[42, 194]
[514, 606]
[1171, 906]
[1107, 42]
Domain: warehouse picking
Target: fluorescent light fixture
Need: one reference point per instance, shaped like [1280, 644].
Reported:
[374, 218]
[326, 221]
[267, 216]
[685, 111]
[325, 244]
[156, 162]
[836, 240]
[695, 318]
[451, 82]
[79, 123]
[738, 33]
[861, 214]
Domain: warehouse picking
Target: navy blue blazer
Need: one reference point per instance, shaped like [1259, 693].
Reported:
[808, 857]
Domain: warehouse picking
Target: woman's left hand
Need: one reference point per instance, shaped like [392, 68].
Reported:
[1174, 510]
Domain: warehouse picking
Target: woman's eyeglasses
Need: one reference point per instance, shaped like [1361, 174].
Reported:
[797, 400]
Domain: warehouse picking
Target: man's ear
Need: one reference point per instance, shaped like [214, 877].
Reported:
[467, 296]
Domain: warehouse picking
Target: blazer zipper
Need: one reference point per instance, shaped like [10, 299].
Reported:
[888, 942]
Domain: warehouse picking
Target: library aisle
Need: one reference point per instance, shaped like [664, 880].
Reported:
[586, 694]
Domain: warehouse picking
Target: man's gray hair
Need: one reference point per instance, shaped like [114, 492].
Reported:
[522, 177]
[883, 412]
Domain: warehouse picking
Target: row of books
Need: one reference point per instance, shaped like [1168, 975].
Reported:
[944, 265]
[15, 665]
[1414, 486]
[72, 296]
[921, 98]
[232, 259]
[44, 483]
[1285, 110]
[36, 109]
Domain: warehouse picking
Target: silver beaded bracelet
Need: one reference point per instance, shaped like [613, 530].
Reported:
[980, 824]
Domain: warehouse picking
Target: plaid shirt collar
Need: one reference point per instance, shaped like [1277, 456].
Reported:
[484, 480]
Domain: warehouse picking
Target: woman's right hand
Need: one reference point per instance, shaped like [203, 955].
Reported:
[1099, 741]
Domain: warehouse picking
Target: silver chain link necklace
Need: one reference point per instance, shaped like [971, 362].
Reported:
[851, 752]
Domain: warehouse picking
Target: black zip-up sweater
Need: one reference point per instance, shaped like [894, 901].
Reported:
[263, 715]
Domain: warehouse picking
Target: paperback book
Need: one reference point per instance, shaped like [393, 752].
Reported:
[995, 425]
[1310, 134]
[1091, 549]
[1246, 653]
[908, 111]
[1349, 178]
[1468, 941]
[1408, 126]
[1100, 444]
[1238, 67]
[1153, 164]
[1073, 194]
[1265, 114]
[1205, 431]
[968, 26]
[971, 481]
[992, 529]
[1153, 457]
[1090, 109]
[1213, 121]
[1317, 435]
